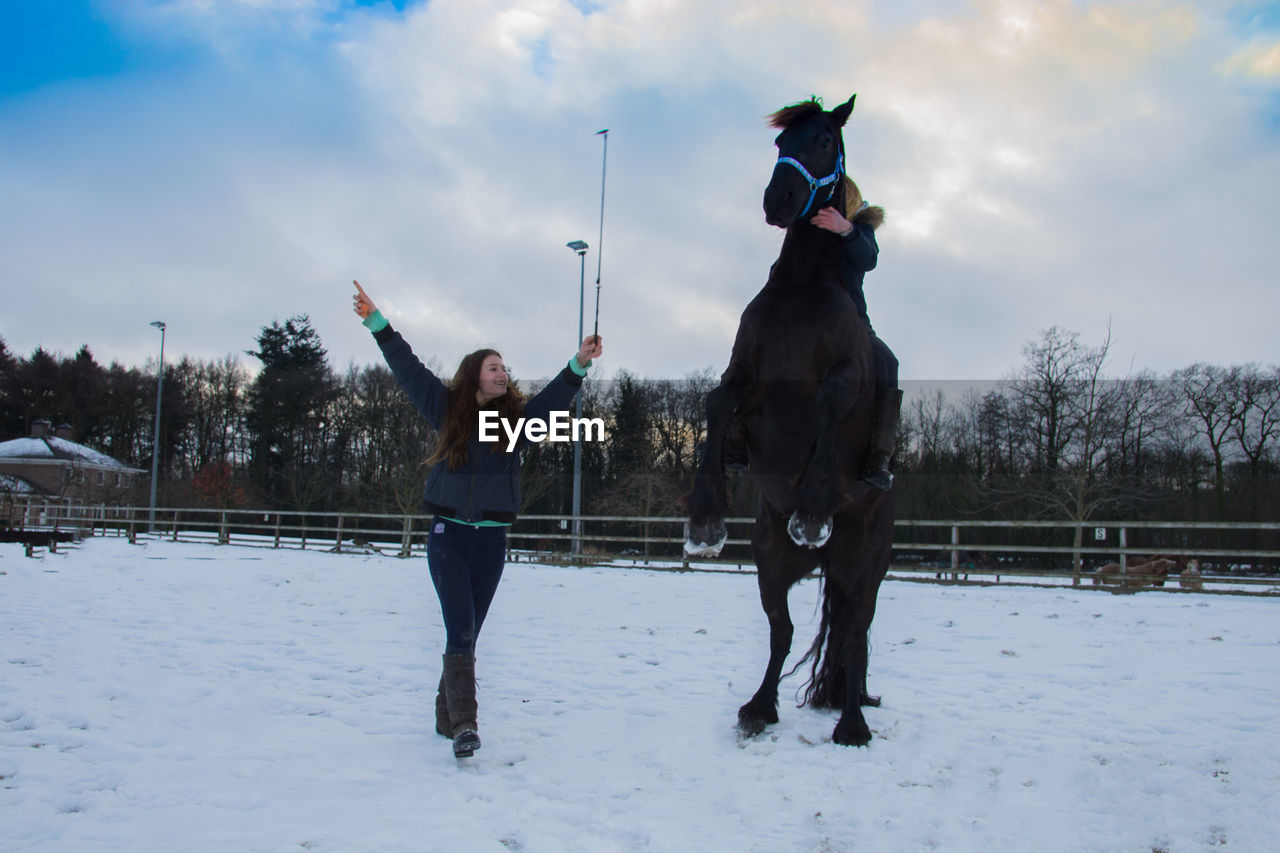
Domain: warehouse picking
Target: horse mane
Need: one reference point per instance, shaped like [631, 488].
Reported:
[790, 115]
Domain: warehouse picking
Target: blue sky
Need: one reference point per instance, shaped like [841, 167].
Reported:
[43, 43]
[218, 165]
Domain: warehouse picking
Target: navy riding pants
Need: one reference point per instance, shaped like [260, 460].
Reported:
[466, 564]
[885, 364]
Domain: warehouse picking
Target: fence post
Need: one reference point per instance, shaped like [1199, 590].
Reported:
[955, 552]
[406, 542]
[1124, 557]
[175, 525]
[337, 546]
[224, 532]
[277, 545]
[1077, 553]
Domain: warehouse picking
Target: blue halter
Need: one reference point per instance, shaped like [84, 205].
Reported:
[814, 183]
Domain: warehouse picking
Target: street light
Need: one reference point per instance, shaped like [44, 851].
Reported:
[155, 444]
[580, 247]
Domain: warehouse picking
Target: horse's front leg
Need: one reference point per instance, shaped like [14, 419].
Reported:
[819, 491]
[762, 710]
[705, 531]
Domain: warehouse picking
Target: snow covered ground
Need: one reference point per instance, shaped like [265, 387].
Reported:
[167, 697]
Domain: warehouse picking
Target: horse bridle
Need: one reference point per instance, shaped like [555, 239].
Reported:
[816, 184]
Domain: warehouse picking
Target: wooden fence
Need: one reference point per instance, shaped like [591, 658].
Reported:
[1231, 556]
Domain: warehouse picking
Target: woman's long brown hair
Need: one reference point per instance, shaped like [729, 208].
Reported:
[462, 412]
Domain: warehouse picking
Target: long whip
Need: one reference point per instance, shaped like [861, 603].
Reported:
[604, 165]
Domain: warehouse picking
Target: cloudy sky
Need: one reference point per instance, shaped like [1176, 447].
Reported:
[219, 164]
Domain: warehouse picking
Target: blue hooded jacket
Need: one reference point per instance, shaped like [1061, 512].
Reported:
[860, 253]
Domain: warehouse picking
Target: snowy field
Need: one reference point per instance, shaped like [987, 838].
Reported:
[177, 697]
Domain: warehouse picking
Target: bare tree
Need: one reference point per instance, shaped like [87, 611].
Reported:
[926, 423]
[387, 440]
[1042, 391]
[677, 418]
[1256, 422]
[214, 429]
[985, 433]
[1071, 415]
[1141, 435]
[1208, 400]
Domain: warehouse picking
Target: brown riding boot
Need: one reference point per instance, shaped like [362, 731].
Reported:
[460, 694]
[444, 728]
[884, 436]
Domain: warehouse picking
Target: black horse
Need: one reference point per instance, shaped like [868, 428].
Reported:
[800, 381]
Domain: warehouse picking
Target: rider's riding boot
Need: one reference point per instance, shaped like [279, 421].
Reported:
[884, 435]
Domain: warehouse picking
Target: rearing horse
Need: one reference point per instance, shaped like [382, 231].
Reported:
[801, 382]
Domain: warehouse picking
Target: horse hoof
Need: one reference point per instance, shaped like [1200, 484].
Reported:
[750, 728]
[811, 533]
[704, 540]
[753, 719]
[852, 734]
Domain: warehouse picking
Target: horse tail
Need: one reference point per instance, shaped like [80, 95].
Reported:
[826, 685]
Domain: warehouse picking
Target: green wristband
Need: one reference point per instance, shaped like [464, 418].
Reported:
[375, 322]
[573, 365]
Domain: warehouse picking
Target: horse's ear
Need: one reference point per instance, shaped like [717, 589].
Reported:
[842, 112]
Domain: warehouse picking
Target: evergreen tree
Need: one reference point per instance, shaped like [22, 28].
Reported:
[37, 386]
[80, 389]
[286, 415]
[12, 424]
[631, 447]
[127, 419]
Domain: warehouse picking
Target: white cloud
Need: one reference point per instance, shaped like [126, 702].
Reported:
[1041, 163]
[1260, 60]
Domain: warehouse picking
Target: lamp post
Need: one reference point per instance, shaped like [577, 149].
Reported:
[155, 444]
[580, 247]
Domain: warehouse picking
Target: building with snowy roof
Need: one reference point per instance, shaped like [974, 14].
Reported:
[48, 464]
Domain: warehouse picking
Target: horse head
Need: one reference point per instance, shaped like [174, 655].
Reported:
[810, 161]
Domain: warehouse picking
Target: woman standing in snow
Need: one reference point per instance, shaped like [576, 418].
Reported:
[473, 491]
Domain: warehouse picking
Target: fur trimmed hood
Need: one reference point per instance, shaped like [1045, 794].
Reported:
[871, 215]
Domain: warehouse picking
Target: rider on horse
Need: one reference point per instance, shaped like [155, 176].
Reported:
[857, 229]
[859, 252]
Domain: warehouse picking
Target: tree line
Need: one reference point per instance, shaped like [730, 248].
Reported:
[1058, 437]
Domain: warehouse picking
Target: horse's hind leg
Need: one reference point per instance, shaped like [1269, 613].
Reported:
[852, 730]
[762, 710]
[860, 599]
[865, 699]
